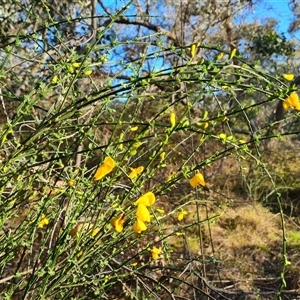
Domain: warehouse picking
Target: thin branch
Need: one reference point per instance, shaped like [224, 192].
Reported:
[9, 278]
[94, 20]
[157, 29]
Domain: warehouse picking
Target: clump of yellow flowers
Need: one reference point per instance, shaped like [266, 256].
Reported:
[292, 101]
[155, 252]
[43, 221]
[142, 213]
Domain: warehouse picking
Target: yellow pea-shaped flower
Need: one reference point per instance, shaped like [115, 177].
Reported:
[135, 172]
[118, 222]
[155, 252]
[181, 215]
[107, 166]
[197, 179]
[173, 120]
[288, 77]
[232, 54]
[146, 199]
[139, 226]
[143, 213]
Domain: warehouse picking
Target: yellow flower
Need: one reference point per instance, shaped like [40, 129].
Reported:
[139, 226]
[172, 119]
[135, 172]
[155, 252]
[220, 55]
[94, 232]
[118, 222]
[197, 179]
[288, 77]
[232, 54]
[76, 65]
[181, 215]
[137, 144]
[88, 72]
[54, 79]
[135, 128]
[133, 152]
[160, 210]
[146, 199]
[286, 103]
[222, 136]
[162, 155]
[71, 69]
[80, 253]
[71, 182]
[292, 101]
[143, 213]
[44, 221]
[205, 115]
[193, 49]
[180, 233]
[202, 125]
[105, 168]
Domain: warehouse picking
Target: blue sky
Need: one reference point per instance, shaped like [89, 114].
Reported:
[278, 9]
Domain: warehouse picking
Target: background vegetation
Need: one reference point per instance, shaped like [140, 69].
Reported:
[107, 102]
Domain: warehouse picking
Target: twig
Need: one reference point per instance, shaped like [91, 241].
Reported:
[13, 276]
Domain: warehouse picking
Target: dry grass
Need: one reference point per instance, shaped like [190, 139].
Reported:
[244, 243]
